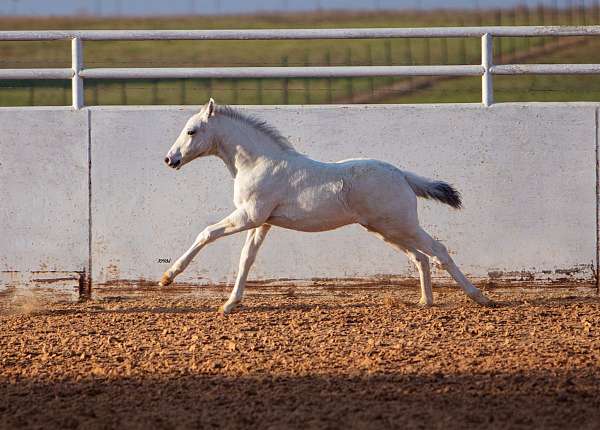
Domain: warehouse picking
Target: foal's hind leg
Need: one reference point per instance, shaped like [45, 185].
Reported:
[420, 260]
[425, 243]
[422, 263]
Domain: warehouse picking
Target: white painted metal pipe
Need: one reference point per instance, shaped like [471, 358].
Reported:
[487, 85]
[36, 74]
[282, 72]
[546, 69]
[76, 80]
[486, 70]
[280, 34]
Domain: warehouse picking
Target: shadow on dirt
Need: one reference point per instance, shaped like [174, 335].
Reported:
[399, 401]
[127, 310]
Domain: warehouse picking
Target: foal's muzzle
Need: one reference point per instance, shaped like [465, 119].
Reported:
[172, 162]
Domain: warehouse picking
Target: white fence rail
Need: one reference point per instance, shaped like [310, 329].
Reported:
[78, 73]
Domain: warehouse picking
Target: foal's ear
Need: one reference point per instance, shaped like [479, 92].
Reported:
[210, 107]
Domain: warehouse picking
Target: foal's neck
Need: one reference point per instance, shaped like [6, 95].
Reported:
[243, 148]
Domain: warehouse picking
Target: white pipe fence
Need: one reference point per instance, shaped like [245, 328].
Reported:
[77, 73]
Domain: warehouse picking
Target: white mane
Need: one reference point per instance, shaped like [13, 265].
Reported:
[257, 124]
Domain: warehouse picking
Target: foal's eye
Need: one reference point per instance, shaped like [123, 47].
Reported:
[191, 132]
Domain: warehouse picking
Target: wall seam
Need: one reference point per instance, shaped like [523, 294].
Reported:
[89, 278]
[596, 113]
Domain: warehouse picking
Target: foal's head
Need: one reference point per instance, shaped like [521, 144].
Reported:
[194, 140]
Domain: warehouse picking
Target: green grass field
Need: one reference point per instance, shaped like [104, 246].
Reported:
[295, 53]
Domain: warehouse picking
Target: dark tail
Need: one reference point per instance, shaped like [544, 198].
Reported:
[437, 190]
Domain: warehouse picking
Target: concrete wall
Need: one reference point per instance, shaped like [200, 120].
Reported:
[527, 174]
[43, 190]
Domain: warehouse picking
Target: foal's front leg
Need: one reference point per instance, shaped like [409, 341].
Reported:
[254, 239]
[237, 221]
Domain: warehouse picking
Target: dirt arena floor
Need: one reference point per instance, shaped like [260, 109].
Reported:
[300, 357]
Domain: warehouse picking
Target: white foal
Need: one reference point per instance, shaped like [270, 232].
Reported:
[277, 186]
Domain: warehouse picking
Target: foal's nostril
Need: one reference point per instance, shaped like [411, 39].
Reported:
[167, 160]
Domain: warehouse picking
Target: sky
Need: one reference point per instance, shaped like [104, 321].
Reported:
[210, 7]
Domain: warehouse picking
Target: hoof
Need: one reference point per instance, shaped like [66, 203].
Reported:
[227, 308]
[482, 300]
[425, 304]
[165, 280]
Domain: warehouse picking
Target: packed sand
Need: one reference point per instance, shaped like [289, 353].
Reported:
[300, 357]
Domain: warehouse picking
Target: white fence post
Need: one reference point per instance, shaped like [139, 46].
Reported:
[487, 83]
[76, 80]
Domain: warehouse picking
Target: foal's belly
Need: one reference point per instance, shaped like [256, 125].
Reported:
[309, 223]
[310, 211]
